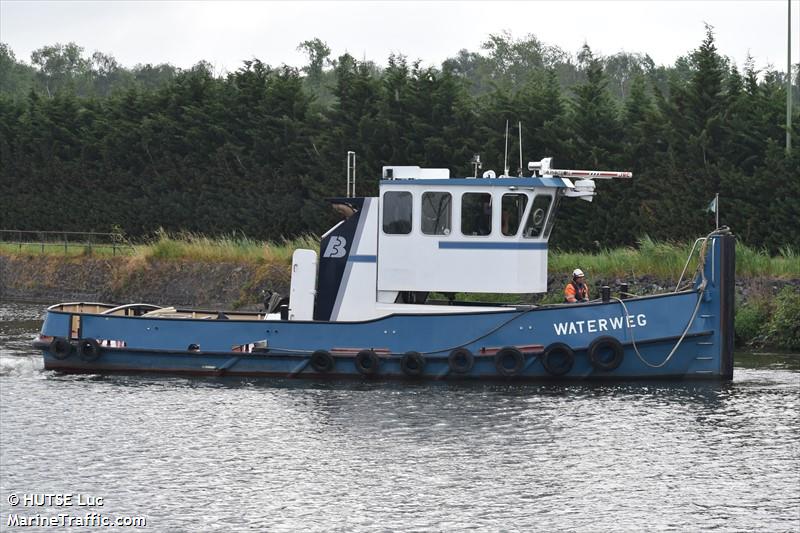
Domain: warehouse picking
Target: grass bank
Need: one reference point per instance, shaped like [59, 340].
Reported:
[660, 260]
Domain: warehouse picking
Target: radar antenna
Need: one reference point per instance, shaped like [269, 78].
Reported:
[542, 168]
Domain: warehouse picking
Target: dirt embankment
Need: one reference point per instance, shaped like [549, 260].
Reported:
[219, 284]
[125, 279]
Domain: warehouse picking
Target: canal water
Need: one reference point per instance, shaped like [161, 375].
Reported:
[279, 455]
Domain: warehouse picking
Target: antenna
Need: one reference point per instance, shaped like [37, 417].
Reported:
[505, 159]
[542, 168]
[520, 149]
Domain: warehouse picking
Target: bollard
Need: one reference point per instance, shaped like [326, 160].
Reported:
[623, 291]
[605, 291]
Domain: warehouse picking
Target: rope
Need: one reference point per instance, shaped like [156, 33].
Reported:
[680, 340]
[700, 290]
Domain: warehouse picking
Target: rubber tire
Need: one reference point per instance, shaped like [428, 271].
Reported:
[461, 361]
[601, 344]
[555, 350]
[367, 362]
[322, 361]
[412, 364]
[60, 348]
[501, 356]
[88, 349]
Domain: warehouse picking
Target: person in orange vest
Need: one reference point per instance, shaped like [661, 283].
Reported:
[577, 290]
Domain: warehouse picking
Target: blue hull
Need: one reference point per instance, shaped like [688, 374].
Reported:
[678, 335]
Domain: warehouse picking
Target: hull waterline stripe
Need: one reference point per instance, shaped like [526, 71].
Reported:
[383, 377]
[443, 245]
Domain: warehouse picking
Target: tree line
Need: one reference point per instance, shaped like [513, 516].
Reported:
[88, 145]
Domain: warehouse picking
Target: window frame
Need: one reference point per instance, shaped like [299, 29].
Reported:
[450, 214]
[384, 212]
[461, 213]
[523, 216]
[546, 219]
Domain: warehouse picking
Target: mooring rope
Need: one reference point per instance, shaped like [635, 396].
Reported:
[700, 290]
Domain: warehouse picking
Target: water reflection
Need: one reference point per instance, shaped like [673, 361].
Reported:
[231, 454]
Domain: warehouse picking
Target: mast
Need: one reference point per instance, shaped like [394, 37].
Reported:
[351, 174]
[505, 158]
[520, 148]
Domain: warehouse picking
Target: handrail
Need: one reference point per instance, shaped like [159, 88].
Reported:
[131, 306]
[42, 238]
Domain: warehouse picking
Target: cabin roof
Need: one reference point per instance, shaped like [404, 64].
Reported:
[481, 182]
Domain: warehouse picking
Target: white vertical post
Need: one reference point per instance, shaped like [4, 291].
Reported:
[351, 174]
[505, 159]
[520, 148]
[716, 210]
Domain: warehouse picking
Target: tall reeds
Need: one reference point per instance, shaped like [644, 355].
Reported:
[661, 260]
[232, 248]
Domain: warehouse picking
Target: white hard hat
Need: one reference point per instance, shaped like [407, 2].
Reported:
[577, 273]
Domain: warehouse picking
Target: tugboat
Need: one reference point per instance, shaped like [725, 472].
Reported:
[364, 307]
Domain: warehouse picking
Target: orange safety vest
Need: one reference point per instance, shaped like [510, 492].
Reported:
[574, 292]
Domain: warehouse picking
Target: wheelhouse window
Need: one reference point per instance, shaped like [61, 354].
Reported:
[551, 218]
[538, 216]
[476, 213]
[513, 209]
[397, 212]
[436, 213]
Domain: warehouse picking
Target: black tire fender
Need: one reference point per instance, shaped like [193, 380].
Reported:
[60, 348]
[412, 364]
[322, 361]
[599, 351]
[506, 355]
[88, 349]
[367, 362]
[461, 360]
[558, 359]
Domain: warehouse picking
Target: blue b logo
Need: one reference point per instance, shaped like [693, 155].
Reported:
[337, 247]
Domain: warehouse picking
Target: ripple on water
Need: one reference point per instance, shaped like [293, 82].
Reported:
[232, 455]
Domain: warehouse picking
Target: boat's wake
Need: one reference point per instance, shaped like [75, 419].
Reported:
[12, 365]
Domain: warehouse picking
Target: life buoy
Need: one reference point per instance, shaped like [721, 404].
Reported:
[507, 355]
[88, 349]
[606, 353]
[461, 360]
[322, 361]
[367, 362]
[558, 359]
[60, 348]
[412, 364]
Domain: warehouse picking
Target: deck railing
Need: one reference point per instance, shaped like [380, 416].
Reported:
[43, 240]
